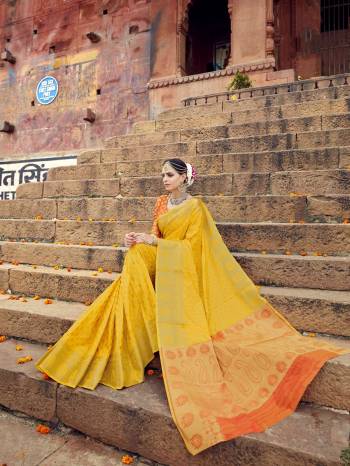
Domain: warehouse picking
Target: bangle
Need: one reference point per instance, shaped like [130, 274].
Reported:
[154, 240]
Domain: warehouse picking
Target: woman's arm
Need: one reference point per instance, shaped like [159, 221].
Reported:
[136, 238]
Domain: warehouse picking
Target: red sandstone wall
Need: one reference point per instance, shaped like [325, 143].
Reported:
[119, 65]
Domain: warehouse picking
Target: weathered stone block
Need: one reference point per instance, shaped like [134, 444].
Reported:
[256, 208]
[22, 387]
[100, 233]
[89, 156]
[278, 237]
[30, 191]
[80, 286]
[313, 183]
[312, 310]
[27, 229]
[28, 209]
[74, 188]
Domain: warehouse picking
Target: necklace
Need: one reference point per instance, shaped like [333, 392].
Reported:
[178, 200]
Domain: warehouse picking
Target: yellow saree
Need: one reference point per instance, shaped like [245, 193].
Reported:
[231, 363]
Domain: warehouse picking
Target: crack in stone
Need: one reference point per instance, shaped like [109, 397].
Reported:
[52, 453]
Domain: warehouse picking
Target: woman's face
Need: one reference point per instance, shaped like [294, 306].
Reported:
[172, 180]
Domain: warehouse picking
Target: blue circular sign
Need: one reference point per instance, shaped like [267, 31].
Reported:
[47, 90]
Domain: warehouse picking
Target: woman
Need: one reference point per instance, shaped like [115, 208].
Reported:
[231, 363]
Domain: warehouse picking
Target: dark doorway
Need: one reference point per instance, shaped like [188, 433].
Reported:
[209, 36]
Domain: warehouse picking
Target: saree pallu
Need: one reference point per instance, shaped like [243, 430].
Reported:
[231, 363]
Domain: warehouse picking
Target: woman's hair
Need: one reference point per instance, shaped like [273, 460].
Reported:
[178, 165]
[182, 168]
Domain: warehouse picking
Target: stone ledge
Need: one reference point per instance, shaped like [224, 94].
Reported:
[138, 418]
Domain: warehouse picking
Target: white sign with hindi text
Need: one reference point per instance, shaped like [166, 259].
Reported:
[15, 172]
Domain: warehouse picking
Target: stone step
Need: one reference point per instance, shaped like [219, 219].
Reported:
[255, 128]
[63, 284]
[305, 140]
[243, 184]
[223, 145]
[270, 161]
[324, 238]
[280, 237]
[278, 112]
[289, 270]
[223, 208]
[259, 102]
[114, 416]
[307, 309]
[312, 310]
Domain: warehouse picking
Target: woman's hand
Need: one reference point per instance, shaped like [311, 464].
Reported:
[130, 239]
[145, 238]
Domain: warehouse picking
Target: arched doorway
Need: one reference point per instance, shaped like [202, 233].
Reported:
[208, 37]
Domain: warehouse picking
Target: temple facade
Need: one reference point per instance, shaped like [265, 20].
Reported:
[127, 60]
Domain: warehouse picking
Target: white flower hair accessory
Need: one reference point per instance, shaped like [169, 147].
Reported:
[191, 174]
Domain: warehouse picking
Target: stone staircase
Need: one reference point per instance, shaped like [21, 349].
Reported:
[275, 173]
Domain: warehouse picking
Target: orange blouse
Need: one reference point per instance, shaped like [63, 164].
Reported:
[160, 208]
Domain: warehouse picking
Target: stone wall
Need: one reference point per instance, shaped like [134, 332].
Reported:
[118, 66]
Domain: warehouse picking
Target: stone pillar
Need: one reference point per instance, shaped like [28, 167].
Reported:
[270, 30]
[164, 39]
[249, 31]
[230, 11]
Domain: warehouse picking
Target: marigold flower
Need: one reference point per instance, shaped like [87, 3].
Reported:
[89, 243]
[2, 338]
[48, 301]
[132, 220]
[94, 274]
[311, 334]
[36, 298]
[288, 253]
[56, 267]
[24, 359]
[233, 98]
[82, 243]
[115, 245]
[346, 221]
[19, 347]
[38, 217]
[303, 253]
[34, 266]
[100, 269]
[78, 219]
[43, 429]
[91, 219]
[127, 459]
